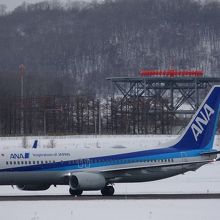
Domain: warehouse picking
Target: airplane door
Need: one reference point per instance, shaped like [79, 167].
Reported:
[87, 163]
[183, 156]
[2, 158]
[83, 163]
[184, 160]
[80, 163]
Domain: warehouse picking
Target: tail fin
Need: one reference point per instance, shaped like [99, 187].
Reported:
[35, 144]
[200, 132]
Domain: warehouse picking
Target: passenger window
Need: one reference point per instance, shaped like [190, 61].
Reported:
[38, 162]
[22, 162]
[25, 162]
[42, 162]
[18, 162]
[14, 162]
[7, 162]
[33, 162]
[11, 162]
[29, 162]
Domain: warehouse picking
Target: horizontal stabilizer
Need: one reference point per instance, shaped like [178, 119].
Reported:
[209, 153]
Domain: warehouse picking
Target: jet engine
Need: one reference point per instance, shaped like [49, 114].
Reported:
[33, 187]
[86, 181]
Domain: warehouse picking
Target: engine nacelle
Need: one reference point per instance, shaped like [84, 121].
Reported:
[33, 187]
[87, 181]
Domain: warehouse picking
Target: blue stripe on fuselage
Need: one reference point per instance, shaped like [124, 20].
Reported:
[102, 161]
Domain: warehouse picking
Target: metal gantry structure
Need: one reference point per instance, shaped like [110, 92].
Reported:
[157, 104]
[138, 105]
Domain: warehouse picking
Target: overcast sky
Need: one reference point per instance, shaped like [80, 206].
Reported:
[12, 4]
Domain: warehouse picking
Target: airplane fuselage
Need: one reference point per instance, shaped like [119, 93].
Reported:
[52, 167]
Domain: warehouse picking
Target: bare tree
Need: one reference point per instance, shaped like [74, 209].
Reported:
[3, 9]
[25, 142]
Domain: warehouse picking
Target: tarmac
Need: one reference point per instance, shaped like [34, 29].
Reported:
[115, 197]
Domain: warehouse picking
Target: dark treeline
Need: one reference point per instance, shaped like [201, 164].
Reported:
[71, 49]
[57, 115]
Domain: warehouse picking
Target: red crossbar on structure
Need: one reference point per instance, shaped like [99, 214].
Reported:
[172, 73]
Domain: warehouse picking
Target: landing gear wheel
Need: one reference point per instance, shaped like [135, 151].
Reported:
[75, 192]
[108, 191]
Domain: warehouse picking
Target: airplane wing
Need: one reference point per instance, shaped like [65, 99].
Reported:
[156, 166]
[114, 175]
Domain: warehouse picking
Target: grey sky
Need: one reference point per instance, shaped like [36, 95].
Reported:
[12, 4]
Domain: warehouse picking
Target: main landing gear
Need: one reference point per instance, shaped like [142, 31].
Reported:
[108, 191]
[75, 192]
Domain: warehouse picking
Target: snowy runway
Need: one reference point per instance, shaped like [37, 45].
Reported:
[163, 196]
[117, 209]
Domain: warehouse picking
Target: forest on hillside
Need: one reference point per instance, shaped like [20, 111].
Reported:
[71, 49]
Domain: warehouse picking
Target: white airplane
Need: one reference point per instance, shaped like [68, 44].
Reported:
[99, 169]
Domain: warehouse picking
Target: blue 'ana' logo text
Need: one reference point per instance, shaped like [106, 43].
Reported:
[19, 156]
[201, 121]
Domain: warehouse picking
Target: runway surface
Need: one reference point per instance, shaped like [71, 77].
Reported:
[115, 197]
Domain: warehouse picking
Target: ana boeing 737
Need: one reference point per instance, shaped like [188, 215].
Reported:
[99, 169]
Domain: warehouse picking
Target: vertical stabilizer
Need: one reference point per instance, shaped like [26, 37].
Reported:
[201, 130]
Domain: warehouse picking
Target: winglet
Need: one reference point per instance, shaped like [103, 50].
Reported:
[35, 144]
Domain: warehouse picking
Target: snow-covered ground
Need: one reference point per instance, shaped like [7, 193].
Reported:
[204, 180]
[91, 141]
[86, 141]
